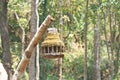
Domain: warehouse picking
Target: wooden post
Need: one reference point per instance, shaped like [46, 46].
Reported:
[28, 52]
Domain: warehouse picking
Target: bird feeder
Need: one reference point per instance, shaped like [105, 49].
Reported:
[52, 47]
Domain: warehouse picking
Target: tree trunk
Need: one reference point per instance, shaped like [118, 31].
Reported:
[61, 27]
[106, 38]
[33, 29]
[5, 38]
[85, 35]
[119, 55]
[37, 48]
[97, 49]
[28, 52]
[111, 43]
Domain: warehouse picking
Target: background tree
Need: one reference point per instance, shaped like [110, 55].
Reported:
[61, 27]
[28, 52]
[73, 17]
[33, 29]
[97, 48]
[37, 48]
[6, 59]
[85, 36]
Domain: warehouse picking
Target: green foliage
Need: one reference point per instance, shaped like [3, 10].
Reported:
[94, 7]
[72, 65]
[73, 14]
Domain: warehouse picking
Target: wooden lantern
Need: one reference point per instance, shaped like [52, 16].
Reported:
[52, 47]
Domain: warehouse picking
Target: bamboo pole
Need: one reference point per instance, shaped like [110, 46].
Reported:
[28, 52]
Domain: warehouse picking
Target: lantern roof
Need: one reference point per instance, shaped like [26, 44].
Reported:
[52, 47]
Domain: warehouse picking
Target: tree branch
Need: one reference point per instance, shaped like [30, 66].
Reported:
[28, 52]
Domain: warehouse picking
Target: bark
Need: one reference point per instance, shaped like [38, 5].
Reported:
[33, 29]
[97, 49]
[85, 35]
[28, 52]
[5, 38]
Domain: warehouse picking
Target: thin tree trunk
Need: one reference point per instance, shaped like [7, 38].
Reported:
[6, 59]
[112, 55]
[111, 44]
[115, 47]
[37, 48]
[33, 29]
[106, 40]
[119, 54]
[85, 35]
[23, 33]
[97, 49]
[28, 52]
[61, 27]
[105, 32]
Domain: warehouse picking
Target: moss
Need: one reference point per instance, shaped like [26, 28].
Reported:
[52, 39]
